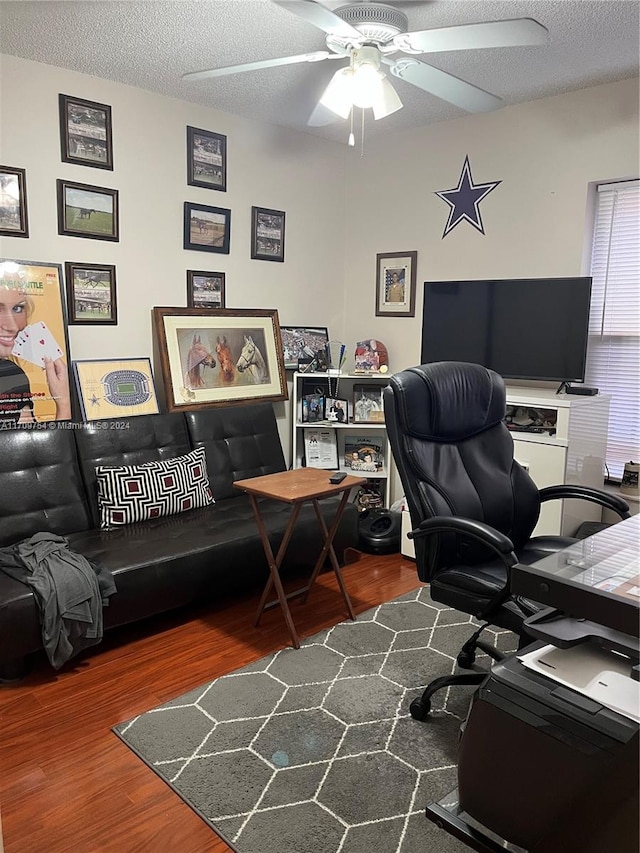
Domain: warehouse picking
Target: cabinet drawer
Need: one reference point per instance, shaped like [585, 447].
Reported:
[544, 462]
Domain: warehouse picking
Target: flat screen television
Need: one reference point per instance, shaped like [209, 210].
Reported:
[528, 328]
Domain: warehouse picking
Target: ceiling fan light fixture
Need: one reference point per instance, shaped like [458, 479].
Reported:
[388, 102]
[337, 96]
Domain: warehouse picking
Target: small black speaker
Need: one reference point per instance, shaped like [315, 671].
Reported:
[379, 531]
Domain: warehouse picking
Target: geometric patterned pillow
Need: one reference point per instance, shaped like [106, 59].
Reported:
[138, 492]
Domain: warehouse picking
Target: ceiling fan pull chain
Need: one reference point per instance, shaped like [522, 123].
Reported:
[352, 139]
[362, 135]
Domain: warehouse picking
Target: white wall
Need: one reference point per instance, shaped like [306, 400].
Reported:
[545, 153]
[267, 167]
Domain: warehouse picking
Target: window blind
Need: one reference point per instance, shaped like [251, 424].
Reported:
[613, 354]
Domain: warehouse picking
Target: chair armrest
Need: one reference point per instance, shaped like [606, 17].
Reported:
[478, 530]
[612, 502]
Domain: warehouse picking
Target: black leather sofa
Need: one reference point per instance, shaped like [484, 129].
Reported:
[48, 483]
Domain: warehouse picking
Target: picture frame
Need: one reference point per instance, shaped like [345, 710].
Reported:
[91, 294]
[336, 410]
[267, 234]
[367, 404]
[396, 284]
[206, 228]
[205, 289]
[206, 159]
[87, 211]
[302, 342]
[14, 220]
[115, 388]
[39, 333]
[363, 453]
[217, 358]
[312, 408]
[85, 132]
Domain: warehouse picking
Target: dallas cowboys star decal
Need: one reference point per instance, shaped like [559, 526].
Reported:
[465, 199]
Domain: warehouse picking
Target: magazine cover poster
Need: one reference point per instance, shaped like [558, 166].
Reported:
[364, 453]
[34, 361]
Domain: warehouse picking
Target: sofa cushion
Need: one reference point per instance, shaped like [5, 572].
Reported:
[131, 493]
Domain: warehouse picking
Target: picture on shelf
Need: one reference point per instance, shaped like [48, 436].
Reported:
[301, 343]
[320, 448]
[364, 453]
[336, 411]
[312, 408]
[367, 404]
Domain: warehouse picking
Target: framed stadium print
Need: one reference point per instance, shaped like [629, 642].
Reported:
[115, 388]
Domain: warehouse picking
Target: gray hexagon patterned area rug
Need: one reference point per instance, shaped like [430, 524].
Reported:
[313, 750]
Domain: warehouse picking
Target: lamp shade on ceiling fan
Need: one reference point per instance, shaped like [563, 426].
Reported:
[362, 85]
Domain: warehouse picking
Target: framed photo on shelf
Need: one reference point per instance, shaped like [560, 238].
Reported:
[302, 342]
[216, 358]
[336, 411]
[206, 159]
[396, 284]
[91, 294]
[267, 234]
[367, 404]
[207, 229]
[320, 448]
[205, 289]
[364, 453]
[13, 202]
[115, 388]
[312, 408]
[85, 132]
[87, 211]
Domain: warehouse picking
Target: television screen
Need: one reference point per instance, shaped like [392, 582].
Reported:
[533, 328]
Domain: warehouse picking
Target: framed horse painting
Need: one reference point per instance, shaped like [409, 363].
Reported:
[219, 357]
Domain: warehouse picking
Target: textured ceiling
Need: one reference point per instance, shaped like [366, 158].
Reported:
[151, 44]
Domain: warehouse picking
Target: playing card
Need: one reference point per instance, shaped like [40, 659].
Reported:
[35, 343]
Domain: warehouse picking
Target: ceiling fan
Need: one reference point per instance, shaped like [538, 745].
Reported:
[370, 35]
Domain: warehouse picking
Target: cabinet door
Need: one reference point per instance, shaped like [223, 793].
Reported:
[546, 466]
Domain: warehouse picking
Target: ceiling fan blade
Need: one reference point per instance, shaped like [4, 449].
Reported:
[444, 85]
[317, 56]
[321, 17]
[520, 31]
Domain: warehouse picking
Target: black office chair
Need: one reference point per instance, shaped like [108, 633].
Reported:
[472, 506]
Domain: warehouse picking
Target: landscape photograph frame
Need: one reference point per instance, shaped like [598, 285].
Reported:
[14, 219]
[87, 294]
[396, 284]
[207, 228]
[232, 356]
[85, 127]
[206, 159]
[202, 282]
[78, 204]
[267, 234]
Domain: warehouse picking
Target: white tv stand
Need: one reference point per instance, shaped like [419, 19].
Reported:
[575, 455]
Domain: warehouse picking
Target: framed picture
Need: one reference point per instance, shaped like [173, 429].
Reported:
[34, 351]
[115, 388]
[267, 234]
[364, 452]
[336, 411]
[396, 284]
[302, 342]
[312, 408]
[86, 211]
[91, 294]
[85, 132]
[205, 289]
[206, 159]
[13, 202]
[222, 357]
[207, 229]
[367, 404]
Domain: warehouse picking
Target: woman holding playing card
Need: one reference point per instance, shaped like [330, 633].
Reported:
[16, 397]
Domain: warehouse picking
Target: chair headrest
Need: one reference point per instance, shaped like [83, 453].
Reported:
[448, 400]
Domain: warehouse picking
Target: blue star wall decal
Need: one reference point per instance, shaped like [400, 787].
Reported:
[465, 199]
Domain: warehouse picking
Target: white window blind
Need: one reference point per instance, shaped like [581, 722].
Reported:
[613, 356]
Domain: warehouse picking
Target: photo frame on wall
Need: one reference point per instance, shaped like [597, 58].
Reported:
[91, 294]
[267, 234]
[396, 284]
[87, 211]
[85, 132]
[34, 357]
[217, 358]
[205, 289]
[14, 221]
[302, 343]
[207, 229]
[206, 159]
[115, 388]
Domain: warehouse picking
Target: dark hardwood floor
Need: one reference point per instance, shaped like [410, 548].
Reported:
[67, 783]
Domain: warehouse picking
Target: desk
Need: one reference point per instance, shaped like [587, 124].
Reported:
[296, 487]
